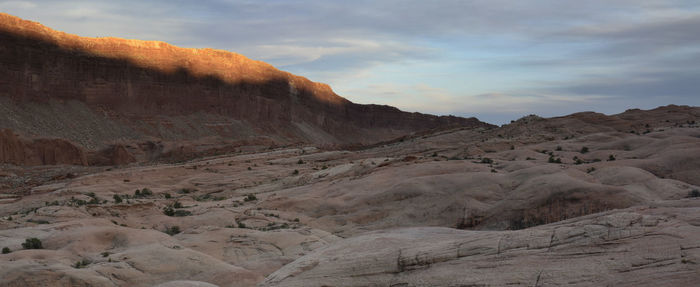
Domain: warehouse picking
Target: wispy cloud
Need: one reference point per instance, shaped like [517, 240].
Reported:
[496, 59]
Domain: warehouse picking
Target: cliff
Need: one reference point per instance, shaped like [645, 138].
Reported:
[118, 90]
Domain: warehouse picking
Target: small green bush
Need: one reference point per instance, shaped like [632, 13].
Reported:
[146, 192]
[172, 230]
[250, 197]
[241, 225]
[295, 172]
[177, 204]
[694, 193]
[81, 264]
[117, 198]
[169, 211]
[486, 160]
[32, 243]
[584, 149]
[167, 195]
[300, 161]
[611, 158]
[6, 250]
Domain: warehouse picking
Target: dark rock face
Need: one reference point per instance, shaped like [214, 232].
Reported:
[156, 89]
[19, 151]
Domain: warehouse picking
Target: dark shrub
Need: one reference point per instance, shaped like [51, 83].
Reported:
[172, 230]
[32, 243]
[117, 198]
[584, 149]
[6, 250]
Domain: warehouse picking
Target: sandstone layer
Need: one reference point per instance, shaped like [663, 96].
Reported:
[97, 92]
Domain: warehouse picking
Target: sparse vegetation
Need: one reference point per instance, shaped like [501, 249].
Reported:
[611, 158]
[694, 193]
[250, 197]
[558, 148]
[300, 161]
[584, 149]
[554, 160]
[295, 172]
[241, 225]
[172, 230]
[117, 198]
[167, 195]
[590, 169]
[6, 250]
[185, 191]
[81, 264]
[32, 243]
[486, 160]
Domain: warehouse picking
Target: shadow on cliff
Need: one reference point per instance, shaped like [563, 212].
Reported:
[271, 103]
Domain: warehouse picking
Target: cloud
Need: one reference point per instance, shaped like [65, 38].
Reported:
[490, 58]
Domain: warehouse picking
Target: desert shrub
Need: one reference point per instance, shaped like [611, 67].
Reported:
[296, 219]
[172, 230]
[177, 204]
[169, 211]
[250, 197]
[81, 264]
[32, 243]
[6, 250]
[553, 160]
[250, 168]
[590, 169]
[694, 193]
[181, 213]
[434, 154]
[529, 158]
[486, 160]
[241, 225]
[167, 195]
[105, 254]
[300, 161]
[558, 148]
[584, 149]
[185, 191]
[117, 198]
[295, 172]
[146, 192]
[611, 158]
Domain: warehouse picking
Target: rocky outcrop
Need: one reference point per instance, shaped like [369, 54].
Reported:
[634, 247]
[20, 151]
[147, 89]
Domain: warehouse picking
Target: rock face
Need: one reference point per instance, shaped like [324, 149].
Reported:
[19, 151]
[145, 89]
[633, 247]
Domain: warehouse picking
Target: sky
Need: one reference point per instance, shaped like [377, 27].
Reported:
[494, 59]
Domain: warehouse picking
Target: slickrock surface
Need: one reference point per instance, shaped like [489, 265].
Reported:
[455, 207]
[644, 246]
